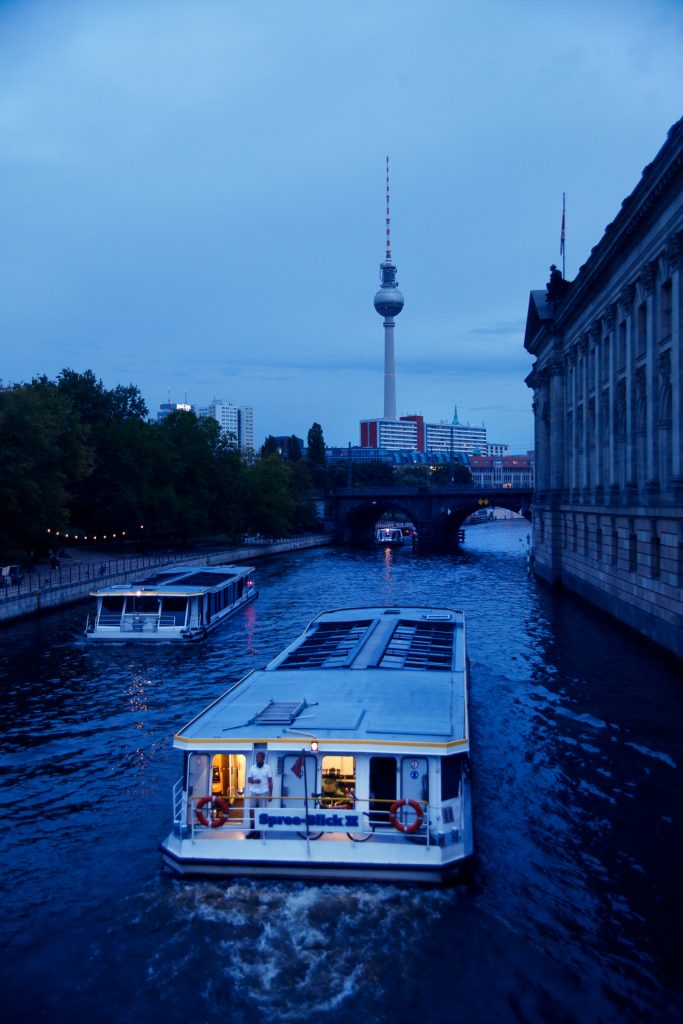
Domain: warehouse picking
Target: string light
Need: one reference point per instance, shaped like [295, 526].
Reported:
[84, 537]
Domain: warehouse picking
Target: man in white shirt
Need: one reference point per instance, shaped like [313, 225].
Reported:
[260, 779]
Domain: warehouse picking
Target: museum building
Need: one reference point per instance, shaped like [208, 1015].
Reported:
[608, 394]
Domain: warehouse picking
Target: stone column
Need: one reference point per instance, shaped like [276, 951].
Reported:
[674, 252]
[571, 446]
[649, 279]
[595, 339]
[557, 422]
[582, 427]
[650, 388]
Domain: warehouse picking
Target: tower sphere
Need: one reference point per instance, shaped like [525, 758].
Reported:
[388, 302]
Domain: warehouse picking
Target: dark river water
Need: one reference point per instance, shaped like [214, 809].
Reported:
[575, 914]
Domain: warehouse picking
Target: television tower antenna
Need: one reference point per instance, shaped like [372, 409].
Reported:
[388, 303]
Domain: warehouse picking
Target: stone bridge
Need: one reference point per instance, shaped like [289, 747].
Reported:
[437, 513]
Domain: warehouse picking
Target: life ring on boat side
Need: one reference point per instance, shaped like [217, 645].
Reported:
[215, 801]
[419, 815]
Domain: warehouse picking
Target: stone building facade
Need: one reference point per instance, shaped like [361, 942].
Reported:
[608, 410]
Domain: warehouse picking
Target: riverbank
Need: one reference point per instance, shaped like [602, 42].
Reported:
[49, 588]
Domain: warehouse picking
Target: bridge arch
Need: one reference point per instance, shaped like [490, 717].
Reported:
[438, 514]
[358, 524]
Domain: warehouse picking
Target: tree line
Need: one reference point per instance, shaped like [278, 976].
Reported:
[78, 458]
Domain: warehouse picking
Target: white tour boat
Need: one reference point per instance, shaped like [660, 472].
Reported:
[178, 602]
[389, 536]
[363, 725]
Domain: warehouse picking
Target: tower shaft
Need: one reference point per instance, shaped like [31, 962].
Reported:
[389, 370]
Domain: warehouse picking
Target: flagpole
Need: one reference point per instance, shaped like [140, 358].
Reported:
[562, 245]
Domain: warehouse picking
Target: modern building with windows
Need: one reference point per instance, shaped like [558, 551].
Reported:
[454, 437]
[166, 408]
[393, 457]
[502, 470]
[390, 434]
[236, 420]
[411, 432]
[608, 412]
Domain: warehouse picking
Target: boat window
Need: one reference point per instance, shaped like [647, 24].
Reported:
[382, 788]
[176, 607]
[143, 604]
[228, 776]
[299, 778]
[338, 780]
[112, 604]
[451, 772]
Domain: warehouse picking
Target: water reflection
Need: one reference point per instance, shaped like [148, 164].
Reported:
[577, 818]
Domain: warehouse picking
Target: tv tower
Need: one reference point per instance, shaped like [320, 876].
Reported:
[388, 303]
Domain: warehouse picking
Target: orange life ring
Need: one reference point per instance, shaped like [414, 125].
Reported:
[419, 815]
[215, 801]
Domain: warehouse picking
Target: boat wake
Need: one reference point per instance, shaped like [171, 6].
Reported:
[290, 950]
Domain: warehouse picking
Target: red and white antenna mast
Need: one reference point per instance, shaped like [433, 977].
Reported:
[388, 255]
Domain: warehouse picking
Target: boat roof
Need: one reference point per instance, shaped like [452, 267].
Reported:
[178, 581]
[356, 679]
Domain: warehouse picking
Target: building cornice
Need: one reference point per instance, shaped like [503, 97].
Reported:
[659, 181]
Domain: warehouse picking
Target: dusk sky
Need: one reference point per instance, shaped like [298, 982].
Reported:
[192, 193]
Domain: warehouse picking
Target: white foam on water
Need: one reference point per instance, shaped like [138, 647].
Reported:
[658, 755]
[287, 951]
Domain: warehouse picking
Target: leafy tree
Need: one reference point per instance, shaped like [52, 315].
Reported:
[363, 474]
[34, 477]
[411, 476]
[194, 443]
[230, 485]
[454, 472]
[269, 447]
[316, 456]
[270, 502]
[294, 449]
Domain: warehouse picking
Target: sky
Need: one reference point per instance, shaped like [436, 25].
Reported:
[192, 193]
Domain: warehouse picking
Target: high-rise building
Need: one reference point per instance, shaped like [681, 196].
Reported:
[235, 420]
[393, 435]
[412, 433]
[454, 437]
[168, 407]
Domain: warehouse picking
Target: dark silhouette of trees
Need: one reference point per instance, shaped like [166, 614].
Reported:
[269, 446]
[316, 456]
[79, 458]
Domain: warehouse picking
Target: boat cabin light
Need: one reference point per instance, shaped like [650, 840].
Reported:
[314, 745]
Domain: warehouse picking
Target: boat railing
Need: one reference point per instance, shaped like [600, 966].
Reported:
[145, 622]
[109, 619]
[386, 820]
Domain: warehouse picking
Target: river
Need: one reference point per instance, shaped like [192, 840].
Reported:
[575, 911]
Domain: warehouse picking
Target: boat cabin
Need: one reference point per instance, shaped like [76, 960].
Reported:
[360, 730]
[175, 603]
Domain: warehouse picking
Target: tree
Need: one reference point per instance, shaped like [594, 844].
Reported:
[35, 495]
[270, 502]
[294, 449]
[316, 456]
[269, 447]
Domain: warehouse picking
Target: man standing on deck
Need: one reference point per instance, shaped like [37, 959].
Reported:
[260, 781]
